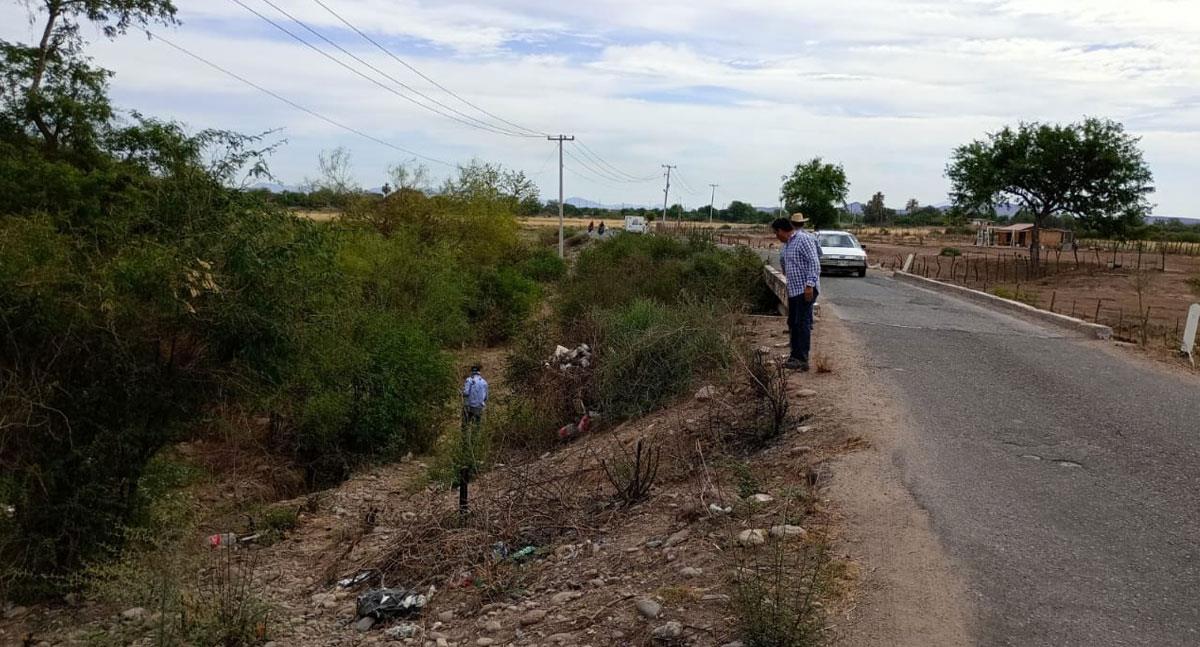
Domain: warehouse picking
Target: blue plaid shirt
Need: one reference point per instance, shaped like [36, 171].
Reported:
[801, 261]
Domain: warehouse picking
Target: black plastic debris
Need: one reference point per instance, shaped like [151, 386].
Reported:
[383, 604]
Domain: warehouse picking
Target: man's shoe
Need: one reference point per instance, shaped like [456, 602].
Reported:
[796, 365]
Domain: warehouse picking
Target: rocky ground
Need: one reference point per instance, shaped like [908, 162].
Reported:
[659, 571]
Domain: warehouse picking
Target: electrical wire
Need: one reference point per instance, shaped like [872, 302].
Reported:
[687, 187]
[439, 86]
[357, 72]
[594, 170]
[392, 78]
[295, 105]
[594, 156]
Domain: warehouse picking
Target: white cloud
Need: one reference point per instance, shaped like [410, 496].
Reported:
[888, 87]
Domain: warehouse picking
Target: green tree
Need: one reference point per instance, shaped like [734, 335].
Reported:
[813, 188]
[875, 211]
[739, 211]
[53, 90]
[1091, 170]
[911, 206]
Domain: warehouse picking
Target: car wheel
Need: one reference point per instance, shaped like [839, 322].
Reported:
[862, 272]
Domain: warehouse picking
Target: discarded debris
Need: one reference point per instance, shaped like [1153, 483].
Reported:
[382, 604]
[348, 582]
[565, 359]
[223, 540]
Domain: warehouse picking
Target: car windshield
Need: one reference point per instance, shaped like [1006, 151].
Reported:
[837, 240]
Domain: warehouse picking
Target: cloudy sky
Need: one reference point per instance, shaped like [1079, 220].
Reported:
[734, 93]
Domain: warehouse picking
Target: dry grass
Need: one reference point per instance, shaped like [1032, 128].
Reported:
[822, 363]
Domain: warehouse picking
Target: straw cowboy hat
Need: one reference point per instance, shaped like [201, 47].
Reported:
[798, 218]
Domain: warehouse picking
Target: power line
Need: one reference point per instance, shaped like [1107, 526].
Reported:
[441, 87]
[687, 187]
[385, 74]
[297, 105]
[596, 157]
[322, 52]
[601, 173]
[592, 178]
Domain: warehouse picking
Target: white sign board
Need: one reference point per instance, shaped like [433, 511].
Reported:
[908, 263]
[1189, 331]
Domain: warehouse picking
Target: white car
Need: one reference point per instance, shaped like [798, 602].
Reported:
[841, 252]
[635, 224]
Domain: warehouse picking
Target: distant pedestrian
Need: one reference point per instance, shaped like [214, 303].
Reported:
[602, 229]
[475, 395]
[474, 399]
[591, 227]
[801, 261]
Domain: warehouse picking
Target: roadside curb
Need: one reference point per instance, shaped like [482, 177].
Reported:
[1087, 329]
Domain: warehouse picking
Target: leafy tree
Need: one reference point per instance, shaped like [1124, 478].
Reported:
[739, 211]
[1091, 170]
[911, 206]
[875, 211]
[813, 188]
[51, 88]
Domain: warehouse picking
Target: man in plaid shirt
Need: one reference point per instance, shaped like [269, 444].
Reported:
[801, 261]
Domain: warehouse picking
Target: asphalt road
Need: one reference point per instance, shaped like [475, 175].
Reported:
[1063, 478]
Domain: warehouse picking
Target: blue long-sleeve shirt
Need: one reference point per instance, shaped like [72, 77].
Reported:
[801, 261]
[475, 391]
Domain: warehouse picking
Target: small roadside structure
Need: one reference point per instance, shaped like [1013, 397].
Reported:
[1021, 235]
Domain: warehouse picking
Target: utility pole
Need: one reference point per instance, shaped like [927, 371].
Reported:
[666, 191]
[710, 202]
[560, 139]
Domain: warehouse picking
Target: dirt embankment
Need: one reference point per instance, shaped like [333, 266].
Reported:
[600, 573]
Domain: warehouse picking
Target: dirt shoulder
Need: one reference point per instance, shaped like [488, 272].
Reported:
[910, 592]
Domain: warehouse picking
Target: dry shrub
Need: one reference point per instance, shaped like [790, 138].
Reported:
[822, 363]
[632, 475]
[514, 506]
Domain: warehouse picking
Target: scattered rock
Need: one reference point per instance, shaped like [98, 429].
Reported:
[788, 531]
[136, 614]
[669, 631]
[706, 393]
[691, 571]
[677, 538]
[364, 624]
[717, 510]
[762, 498]
[402, 631]
[532, 617]
[563, 598]
[715, 597]
[596, 581]
[736, 643]
[446, 616]
[492, 626]
[561, 638]
[17, 612]
[753, 537]
[483, 642]
[648, 608]
[805, 393]
[654, 543]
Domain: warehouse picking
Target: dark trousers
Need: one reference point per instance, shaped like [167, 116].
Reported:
[800, 324]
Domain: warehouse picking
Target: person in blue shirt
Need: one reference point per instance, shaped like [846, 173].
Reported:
[475, 395]
[801, 262]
